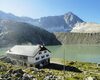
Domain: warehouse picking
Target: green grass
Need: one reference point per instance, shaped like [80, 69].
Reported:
[89, 67]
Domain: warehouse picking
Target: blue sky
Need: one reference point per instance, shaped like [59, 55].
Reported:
[88, 10]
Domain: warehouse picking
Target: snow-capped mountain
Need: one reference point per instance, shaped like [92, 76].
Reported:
[62, 23]
[8, 16]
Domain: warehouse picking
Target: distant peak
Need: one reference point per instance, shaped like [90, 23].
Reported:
[5, 13]
[1, 12]
[69, 13]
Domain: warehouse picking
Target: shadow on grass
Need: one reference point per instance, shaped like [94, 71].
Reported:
[55, 66]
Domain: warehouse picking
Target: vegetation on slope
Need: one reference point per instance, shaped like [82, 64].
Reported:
[13, 33]
[53, 71]
[78, 38]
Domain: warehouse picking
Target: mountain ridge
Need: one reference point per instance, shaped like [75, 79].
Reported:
[17, 33]
[61, 23]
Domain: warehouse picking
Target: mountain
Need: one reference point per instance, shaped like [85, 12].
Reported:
[86, 28]
[12, 33]
[62, 23]
[8, 16]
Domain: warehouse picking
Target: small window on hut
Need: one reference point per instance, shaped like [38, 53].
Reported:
[45, 51]
[21, 57]
[24, 57]
[37, 58]
[42, 57]
[40, 52]
[47, 55]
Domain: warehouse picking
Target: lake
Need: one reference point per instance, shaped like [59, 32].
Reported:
[3, 51]
[83, 53]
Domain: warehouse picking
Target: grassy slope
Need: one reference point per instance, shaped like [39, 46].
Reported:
[78, 38]
[87, 68]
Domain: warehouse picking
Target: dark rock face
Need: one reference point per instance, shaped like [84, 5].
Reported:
[62, 23]
[13, 33]
[71, 19]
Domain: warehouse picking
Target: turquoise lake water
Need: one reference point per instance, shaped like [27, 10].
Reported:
[83, 53]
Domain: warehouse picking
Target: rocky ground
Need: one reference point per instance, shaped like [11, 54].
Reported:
[53, 71]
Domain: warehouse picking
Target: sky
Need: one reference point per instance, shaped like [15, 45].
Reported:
[88, 10]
